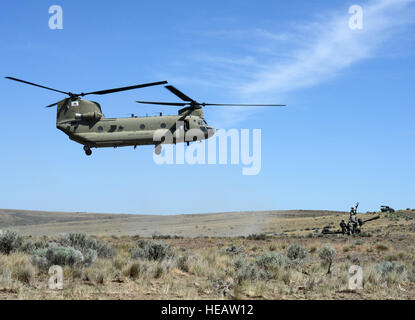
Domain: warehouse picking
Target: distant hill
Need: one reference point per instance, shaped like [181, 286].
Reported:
[190, 225]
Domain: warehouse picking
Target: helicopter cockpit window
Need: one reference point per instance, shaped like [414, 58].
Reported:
[98, 105]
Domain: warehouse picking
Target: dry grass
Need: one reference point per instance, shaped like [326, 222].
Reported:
[209, 273]
[205, 268]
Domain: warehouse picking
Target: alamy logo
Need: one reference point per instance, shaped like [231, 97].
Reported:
[56, 280]
[356, 278]
[56, 20]
[221, 147]
[356, 20]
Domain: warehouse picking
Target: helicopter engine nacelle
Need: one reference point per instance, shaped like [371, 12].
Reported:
[90, 116]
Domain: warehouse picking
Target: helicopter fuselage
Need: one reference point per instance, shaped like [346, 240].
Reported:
[83, 122]
[134, 131]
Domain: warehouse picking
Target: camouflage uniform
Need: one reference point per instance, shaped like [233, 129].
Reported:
[343, 226]
[350, 228]
[353, 223]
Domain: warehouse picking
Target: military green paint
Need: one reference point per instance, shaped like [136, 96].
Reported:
[98, 131]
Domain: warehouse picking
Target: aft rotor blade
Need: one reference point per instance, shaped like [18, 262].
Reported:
[125, 88]
[242, 105]
[37, 85]
[180, 104]
[178, 93]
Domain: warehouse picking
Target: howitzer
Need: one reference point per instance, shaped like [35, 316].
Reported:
[347, 229]
[362, 222]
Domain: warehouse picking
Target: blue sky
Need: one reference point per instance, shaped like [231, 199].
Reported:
[347, 134]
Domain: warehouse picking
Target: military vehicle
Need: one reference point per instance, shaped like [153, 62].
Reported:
[83, 120]
[387, 209]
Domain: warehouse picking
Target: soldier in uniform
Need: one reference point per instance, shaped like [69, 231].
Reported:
[343, 226]
[350, 228]
[353, 218]
[353, 223]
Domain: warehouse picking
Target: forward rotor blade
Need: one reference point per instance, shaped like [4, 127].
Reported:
[178, 93]
[37, 85]
[52, 105]
[180, 104]
[125, 88]
[64, 103]
[56, 103]
[242, 105]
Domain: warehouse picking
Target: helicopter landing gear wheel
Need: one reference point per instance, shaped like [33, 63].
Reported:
[157, 149]
[87, 150]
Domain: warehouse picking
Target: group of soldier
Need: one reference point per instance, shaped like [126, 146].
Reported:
[353, 224]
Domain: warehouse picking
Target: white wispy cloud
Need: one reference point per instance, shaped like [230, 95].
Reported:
[306, 55]
[333, 46]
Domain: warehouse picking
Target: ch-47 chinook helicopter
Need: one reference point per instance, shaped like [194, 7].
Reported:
[83, 120]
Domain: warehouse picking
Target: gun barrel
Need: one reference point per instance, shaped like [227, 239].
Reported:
[371, 219]
[326, 231]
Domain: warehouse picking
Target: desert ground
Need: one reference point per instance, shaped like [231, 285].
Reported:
[229, 224]
[236, 255]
